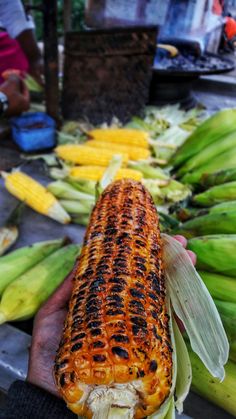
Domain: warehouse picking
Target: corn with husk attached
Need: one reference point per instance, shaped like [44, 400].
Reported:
[21, 260]
[24, 296]
[210, 131]
[35, 195]
[117, 356]
[215, 253]
[221, 394]
[216, 194]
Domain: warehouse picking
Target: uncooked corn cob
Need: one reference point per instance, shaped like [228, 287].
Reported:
[35, 195]
[134, 153]
[130, 137]
[96, 173]
[83, 154]
[115, 349]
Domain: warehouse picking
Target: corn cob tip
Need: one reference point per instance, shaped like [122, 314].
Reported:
[57, 212]
[4, 174]
[3, 318]
[111, 403]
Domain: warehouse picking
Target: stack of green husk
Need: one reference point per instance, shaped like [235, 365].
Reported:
[207, 162]
[29, 275]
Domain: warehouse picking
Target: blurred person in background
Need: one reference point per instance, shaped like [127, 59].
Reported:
[18, 46]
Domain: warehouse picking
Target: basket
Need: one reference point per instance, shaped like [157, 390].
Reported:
[107, 73]
[30, 138]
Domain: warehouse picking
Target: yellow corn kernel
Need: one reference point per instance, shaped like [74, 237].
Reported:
[85, 155]
[131, 137]
[96, 173]
[134, 153]
[35, 195]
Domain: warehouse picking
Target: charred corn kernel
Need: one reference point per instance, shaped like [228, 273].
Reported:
[83, 154]
[130, 137]
[116, 340]
[96, 173]
[35, 195]
[134, 153]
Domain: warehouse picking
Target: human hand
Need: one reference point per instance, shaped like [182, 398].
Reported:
[17, 94]
[48, 326]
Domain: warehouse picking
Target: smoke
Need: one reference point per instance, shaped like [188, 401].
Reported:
[191, 20]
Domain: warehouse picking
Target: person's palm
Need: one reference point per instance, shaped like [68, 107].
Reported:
[48, 326]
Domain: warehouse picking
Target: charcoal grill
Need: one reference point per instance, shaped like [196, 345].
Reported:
[174, 78]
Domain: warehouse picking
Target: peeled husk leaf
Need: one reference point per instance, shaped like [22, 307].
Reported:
[193, 304]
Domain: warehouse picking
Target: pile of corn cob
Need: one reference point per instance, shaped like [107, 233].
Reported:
[207, 161]
[29, 275]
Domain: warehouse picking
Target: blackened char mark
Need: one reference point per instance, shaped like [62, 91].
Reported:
[137, 294]
[120, 338]
[122, 353]
[76, 347]
[98, 344]
[77, 337]
[99, 358]
[153, 366]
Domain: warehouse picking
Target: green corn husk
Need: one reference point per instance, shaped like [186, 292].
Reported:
[216, 195]
[227, 312]
[221, 394]
[217, 178]
[213, 129]
[227, 206]
[220, 286]
[148, 171]
[22, 298]
[21, 260]
[64, 190]
[209, 153]
[173, 192]
[213, 223]
[76, 207]
[215, 253]
[82, 219]
[224, 161]
[85, 186]
[32, 84]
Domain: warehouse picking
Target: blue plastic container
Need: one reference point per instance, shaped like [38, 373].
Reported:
[33, 138]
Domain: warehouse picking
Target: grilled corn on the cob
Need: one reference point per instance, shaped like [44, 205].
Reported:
[116, 347]
[134, 153]
[130, 137]
[35, 195]
[83, 154]
[96, 173]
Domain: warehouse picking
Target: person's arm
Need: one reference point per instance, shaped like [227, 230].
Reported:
[29, 45]
[17, 95]
[26, 401]
[20, 27]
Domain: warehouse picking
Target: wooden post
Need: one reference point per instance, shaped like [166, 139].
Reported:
[51, 57]
[67, 11]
